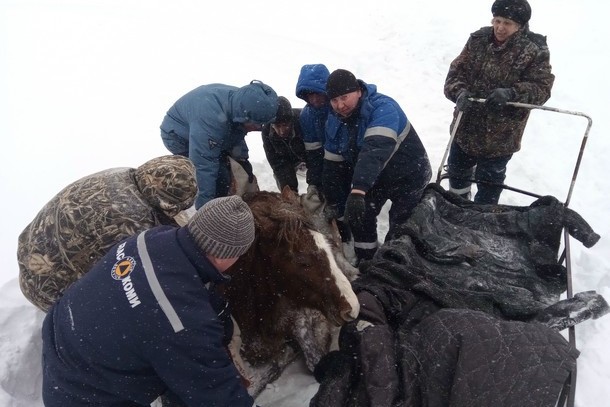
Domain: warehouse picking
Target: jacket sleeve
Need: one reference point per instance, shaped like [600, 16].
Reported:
[456, 79]
[282, 166]
[536, 82]
[194, 364]
[314, 147]
[379, 144]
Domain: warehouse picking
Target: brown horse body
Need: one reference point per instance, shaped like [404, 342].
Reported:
[288, 286]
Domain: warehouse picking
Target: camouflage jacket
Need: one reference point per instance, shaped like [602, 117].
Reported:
[85, 219]
[521, 63]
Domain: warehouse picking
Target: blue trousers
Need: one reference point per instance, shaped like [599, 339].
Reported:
[462, 167]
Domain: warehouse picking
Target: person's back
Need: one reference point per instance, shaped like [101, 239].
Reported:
[142, 322]
[209, 123]
[78, 226]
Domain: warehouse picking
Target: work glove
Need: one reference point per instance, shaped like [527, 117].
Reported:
[498, 97]
[247, 166]
[463, 102]
[354, 211]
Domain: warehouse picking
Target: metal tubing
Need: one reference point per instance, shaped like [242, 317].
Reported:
[453, 131]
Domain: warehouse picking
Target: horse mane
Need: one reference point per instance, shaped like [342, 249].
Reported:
[278, 216]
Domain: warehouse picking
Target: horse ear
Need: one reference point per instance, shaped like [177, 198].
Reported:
[289, 194]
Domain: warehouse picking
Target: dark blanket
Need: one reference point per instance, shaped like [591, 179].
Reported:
[462, 310]
[493, 258]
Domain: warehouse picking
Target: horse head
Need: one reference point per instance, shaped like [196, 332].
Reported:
[291, 260]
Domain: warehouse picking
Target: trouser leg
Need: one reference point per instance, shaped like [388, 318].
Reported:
[365, 238]
[493, 171]
[403, 204]
[460, 167]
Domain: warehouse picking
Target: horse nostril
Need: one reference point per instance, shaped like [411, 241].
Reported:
[348, 315]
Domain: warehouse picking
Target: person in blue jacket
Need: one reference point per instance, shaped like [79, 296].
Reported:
[372, 154]
[209, 124]
[311, 87]
[144, 322]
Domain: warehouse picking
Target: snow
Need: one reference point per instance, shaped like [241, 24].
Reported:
[84, 85]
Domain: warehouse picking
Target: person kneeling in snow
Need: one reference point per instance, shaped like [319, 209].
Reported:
[85, 219]
[145, 321]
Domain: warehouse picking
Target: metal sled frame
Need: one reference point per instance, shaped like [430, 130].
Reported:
[568, 392]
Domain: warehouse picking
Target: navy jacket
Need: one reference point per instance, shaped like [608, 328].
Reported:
[378, 142]
[137, 325]
[312, 79]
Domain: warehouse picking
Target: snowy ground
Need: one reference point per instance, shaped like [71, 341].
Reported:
[84, 85]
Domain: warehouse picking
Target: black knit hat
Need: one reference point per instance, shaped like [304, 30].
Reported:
[284, 111]
[341, 82]
[517, 10]
[223, 227]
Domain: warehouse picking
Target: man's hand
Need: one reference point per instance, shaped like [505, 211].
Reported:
[463, 101]
[354, 210]
[498, 97]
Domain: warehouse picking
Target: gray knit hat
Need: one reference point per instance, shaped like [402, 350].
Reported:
[223, 227]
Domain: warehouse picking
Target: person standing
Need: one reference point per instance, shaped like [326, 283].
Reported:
[504, 62]
[209, 124]
[145, 321]
[283, 145]
[311, 87]
[89, 216]
[372, 154]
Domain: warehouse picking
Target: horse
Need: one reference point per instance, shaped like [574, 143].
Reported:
[288, 287]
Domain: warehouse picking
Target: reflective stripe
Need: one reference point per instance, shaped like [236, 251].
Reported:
[155, 287]
[332, 156]
[460, 191]
[381, 131]
[365, 245]
[313, 146]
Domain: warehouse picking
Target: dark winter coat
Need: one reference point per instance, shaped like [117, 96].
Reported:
[138, 325]
[379, 146]
[85, 219]
[312, 79]
[284, 154]
[522, 64]
[439, 308]
[206, 125]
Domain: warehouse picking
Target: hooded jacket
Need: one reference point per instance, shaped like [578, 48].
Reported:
[138, 325]
[86, 218]
[522, 64]
[312, 79]
[206, 124]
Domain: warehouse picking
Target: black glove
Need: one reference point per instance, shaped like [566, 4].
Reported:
[498, 97]
[354, 210]
[463, 103]
[247, 166]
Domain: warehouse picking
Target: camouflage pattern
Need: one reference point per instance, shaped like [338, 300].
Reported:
[521, 63]
[84, 220]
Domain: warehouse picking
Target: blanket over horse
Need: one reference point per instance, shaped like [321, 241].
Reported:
[463, 310]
